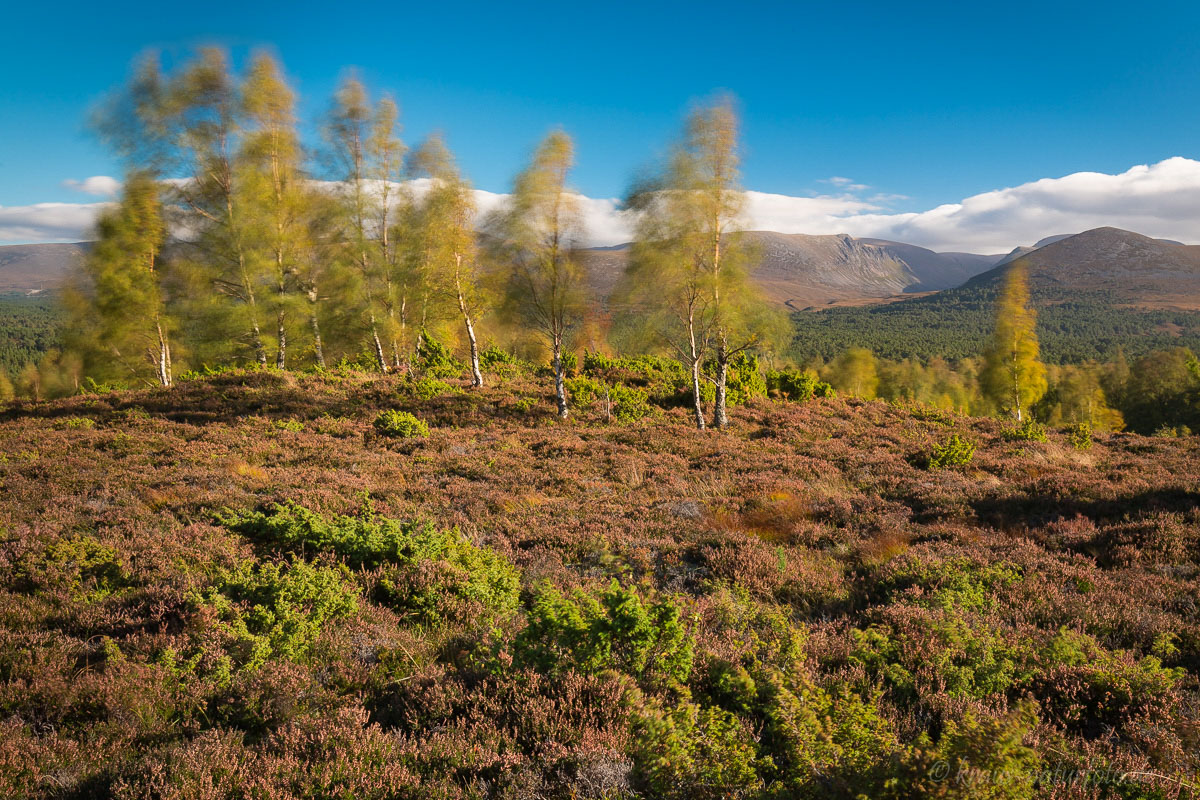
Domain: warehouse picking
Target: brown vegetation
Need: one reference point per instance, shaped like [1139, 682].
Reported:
[1033, 610]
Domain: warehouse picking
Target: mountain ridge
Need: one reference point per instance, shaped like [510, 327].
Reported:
[806, 271]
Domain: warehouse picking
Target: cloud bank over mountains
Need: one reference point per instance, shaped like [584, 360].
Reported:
[1160, 200]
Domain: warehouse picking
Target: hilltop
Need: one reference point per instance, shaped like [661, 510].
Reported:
[1133, 269]
[169, 629]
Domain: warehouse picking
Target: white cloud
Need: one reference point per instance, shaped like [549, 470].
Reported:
[99, 185]
[1161, 200]
[48, 222]
[846, 184]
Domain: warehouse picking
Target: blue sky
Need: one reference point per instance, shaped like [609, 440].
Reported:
[931, 101]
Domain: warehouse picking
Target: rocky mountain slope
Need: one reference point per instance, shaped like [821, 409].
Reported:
[29, 268]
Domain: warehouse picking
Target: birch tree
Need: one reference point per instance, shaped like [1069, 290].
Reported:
[349, 131]
[446, 217]
[120, 323]
[707, 174]
[385, 155]
[535, 235]
[1013, 375]
[206, 117]
[270, 173]
[687, 277]
[664, 292]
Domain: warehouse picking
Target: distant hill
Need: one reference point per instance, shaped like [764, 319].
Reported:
[1134, 269]
[31, 268]
[1097, 292]
[803, 271]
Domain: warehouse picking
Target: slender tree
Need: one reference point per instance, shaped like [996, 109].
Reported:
[1013, 376]
[320, 273]
[270, 174]
[664, 294]
[535, 235]
[119, 322]
[742, 318]
[349, 132]
[385, 153]
[447, 218]
[414, 251]
[687, 274]
[854, 372]
[205, 115]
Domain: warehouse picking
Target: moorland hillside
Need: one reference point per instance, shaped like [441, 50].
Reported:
[273, 584]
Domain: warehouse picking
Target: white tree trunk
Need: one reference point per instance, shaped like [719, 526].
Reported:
[720, 415]
[560, 387]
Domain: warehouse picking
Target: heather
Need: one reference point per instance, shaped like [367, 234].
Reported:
[240, 586]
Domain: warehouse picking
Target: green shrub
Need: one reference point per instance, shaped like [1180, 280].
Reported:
[694, 753]
[1080, 436]
[206, 372]
[570, 363]
[399, 425]
[77, 424]
[584, 390]
[809, 738]
[364, 361]
[976, 758]
[433, 569]
[954, 452]
[792, 384]
[628, 403]
[435, 359]
[617, 630]
[525, 404]
[1166, 431]
[290, 425]
[492, 357]
[86, 569]
[942, 654]
[798, 386]
[426, 388]
[660, 377]
[266, 611]
[744, 381]
[950, 584]
[597, 363]
[1089, 688]
[91, 386]
[1030, 430]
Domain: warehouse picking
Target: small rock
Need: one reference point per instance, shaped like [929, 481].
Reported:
[686, 509]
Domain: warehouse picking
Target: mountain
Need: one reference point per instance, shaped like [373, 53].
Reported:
[31, 268]
[1098, 293]
[800, 270]
[1133, 269]
[803, 271]
[935, 271]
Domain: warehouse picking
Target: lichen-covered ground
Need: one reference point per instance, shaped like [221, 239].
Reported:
[238, 588]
